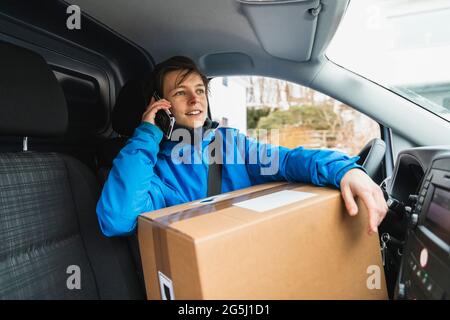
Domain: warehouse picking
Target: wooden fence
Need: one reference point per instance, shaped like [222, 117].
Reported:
[344, 140]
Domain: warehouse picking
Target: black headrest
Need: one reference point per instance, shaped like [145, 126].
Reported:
[32, 102]
[129, 107]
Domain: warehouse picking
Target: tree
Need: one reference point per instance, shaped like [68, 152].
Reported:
[318, 117]
[254, 114]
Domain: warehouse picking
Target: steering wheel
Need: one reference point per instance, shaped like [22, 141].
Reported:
[371, 156]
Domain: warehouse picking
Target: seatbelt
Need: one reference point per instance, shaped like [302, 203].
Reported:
[214, 173]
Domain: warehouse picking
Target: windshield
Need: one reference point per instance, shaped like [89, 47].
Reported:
[403, 45]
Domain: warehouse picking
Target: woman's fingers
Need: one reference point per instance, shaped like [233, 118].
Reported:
[349, 200]
[373, 210]
[356, 183]
[153, 108]
[150, 114]
[379, 198]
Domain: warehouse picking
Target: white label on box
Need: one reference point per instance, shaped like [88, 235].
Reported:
[274, 200]
[166, 287]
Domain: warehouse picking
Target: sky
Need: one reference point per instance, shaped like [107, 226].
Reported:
[395, 42]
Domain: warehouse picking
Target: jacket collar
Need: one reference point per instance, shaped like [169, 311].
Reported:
[203, 135]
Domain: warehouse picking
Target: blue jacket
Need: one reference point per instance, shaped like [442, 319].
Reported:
[147, 175]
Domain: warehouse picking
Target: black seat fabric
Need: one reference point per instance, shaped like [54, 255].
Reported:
[49, 232]
[39, 236]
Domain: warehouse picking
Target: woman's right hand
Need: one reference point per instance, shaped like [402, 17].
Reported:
[153, 107]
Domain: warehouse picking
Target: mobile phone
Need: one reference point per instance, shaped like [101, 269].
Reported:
[164, 119]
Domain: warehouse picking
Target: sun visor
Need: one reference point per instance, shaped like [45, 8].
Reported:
[285, 29]
[222, 63]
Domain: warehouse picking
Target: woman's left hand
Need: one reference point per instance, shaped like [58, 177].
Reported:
[356, 183]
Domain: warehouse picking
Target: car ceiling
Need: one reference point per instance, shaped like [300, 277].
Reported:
[224, 40]
[218, 34]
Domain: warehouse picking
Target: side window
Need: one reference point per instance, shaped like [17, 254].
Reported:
[290, 115]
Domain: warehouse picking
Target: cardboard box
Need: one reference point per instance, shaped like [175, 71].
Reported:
[272, 241]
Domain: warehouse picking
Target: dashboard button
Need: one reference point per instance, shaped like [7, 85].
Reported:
[421, 199]
[427, 184]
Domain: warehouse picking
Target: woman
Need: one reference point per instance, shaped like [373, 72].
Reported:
[151, 173]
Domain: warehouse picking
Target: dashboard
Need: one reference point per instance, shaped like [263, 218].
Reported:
[419, 195]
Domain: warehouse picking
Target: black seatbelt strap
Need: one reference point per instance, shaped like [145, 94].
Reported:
[214, 172]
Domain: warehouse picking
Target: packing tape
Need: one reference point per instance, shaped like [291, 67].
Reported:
[165, 221]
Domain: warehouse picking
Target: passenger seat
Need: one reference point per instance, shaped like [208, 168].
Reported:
[51, 246]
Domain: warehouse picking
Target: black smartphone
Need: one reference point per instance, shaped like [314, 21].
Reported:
[164, 119]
